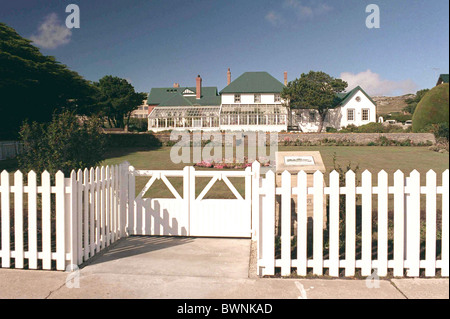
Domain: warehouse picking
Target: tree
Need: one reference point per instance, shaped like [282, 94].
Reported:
[63, 144]
[315, 90]
[412, 102]
[34, 86]
[117, 99]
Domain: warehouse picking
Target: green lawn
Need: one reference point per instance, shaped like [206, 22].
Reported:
[373, 159]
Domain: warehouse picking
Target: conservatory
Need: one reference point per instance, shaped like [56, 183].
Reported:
[191, 118]
[254, 117]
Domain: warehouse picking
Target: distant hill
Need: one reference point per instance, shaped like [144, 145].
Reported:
[388, 104]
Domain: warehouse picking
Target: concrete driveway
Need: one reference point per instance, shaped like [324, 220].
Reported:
[194, 268]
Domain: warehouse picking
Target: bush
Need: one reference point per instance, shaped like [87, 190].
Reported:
[147, 140]
[63, 144]
[138, 125]
[331, 130]
[375, 128]
[432, 109]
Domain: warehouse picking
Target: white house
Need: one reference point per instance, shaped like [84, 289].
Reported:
[356, 108]
[253, 102]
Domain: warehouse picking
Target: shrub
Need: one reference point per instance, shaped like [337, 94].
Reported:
[138, 125]
[147, 140]
[63, 144]
[432, 109]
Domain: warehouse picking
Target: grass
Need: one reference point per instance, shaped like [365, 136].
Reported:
[372, 158]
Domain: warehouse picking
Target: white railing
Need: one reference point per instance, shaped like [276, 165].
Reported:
[405, 235]
[60, 225]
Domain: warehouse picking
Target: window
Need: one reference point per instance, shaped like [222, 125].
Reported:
[350, 115]
[365, 114]
[277, 98]
[257, 98]
[237, 98]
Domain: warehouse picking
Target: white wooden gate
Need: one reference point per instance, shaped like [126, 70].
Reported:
[187, 214]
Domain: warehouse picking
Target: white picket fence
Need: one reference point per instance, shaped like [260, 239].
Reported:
[406, 232]
[57, 226]
[68, 222]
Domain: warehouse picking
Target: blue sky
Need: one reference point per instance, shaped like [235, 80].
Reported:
[157, 43]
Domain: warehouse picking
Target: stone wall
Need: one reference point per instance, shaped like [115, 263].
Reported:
[357, 138]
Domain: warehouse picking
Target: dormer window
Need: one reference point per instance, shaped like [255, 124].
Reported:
[277, 98]
[237, 98]
[188, 92]
[257, 98]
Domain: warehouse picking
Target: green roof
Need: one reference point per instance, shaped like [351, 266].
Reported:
[254, 82]
[347, 96]
[444, 78]
[174, 97]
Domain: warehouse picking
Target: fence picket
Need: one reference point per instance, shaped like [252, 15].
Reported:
[268, 226]
[318, 223]
[430, 242]
[366, 253]
[302, 224]
[6, 245]
[80, 206]
[18, 220]
[98, 199]
[86, 213]
[350, 224]
[334, 225]
[92, 212]
[412, 230]
[445, 225]
[32, 221]
[46, 222]
[399, 219]
[103, 207]
[60, 221]
[108, 206]
[286, 223]
[382, 269]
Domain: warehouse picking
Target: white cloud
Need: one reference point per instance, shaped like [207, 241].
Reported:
[307, 11]
[274, 18]
[51, 33]
[374, 85]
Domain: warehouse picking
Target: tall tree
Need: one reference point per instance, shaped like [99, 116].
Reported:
[34, 86]
[117, 99]
[315, 90]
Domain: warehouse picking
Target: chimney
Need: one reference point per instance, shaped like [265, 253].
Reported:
[285, 79]
[199, 87]
[228, 77]
[176, 85]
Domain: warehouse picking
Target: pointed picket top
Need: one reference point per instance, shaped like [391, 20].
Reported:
[318, 178]
[334, 174]
[18, 173]
[108, 172]
[45, 174]
[399, 174]
[350, 174]
[270, 175]
[382, 173]
[415, 174]
[73, 175]
[59, 174]
[32, 174]
[80, 174]
[256, 164]
[5, 177]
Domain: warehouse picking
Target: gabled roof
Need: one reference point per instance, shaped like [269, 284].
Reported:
[444, 78]
[254, 82]
[347, 96]
[174, 97]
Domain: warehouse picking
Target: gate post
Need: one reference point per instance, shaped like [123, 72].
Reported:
[256, 171]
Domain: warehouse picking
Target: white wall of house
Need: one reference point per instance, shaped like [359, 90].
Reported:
[358, 111]
[250, 98]
[364, 111]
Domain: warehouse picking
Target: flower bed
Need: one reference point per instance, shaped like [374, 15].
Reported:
[232, 164]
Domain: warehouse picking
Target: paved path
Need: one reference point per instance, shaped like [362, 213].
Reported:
[195, 268]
